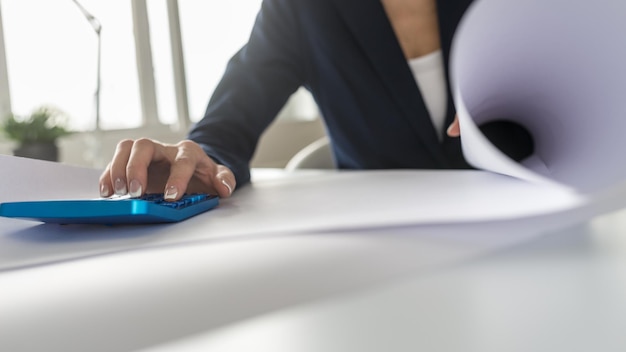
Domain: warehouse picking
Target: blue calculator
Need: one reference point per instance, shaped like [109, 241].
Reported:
[151, 208]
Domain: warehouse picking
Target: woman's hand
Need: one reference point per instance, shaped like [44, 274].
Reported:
[454, 130]
[147, 166]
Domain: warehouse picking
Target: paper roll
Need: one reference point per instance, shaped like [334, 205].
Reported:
[556, 67]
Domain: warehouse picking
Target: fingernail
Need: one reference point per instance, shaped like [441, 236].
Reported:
[135, 189]
[120, 187]
[230, 189]
[171, 193]
[104, 191]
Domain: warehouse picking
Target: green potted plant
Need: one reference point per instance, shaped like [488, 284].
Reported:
[37, 133]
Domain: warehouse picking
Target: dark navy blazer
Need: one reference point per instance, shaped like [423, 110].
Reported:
[344, 52]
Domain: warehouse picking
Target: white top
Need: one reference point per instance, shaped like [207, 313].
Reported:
[430, 76]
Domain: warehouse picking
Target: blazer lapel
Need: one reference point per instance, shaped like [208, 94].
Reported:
[372, 29]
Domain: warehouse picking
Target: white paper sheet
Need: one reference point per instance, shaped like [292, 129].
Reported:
[23, 179]
[555, 67]
[135, 300]
[296, 202]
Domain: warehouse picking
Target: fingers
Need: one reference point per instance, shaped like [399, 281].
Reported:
[143, 153]
[145, 165]
[224, 181]
[192, 164]
[113, 179]
[127, 171]
[105, 183]
[185, 162]
[454, 130]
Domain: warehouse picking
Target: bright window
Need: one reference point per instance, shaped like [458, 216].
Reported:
[52, 58]
[212, 32]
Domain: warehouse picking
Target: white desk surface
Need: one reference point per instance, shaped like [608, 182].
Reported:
[539, 284]
[563, 291]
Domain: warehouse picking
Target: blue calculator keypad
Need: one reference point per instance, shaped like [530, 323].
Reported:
[151, 208]
[185, 201]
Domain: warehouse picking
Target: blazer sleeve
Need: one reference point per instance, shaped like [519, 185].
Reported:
[256, 84]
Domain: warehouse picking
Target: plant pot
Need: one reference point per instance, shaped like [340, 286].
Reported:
[39, 150]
